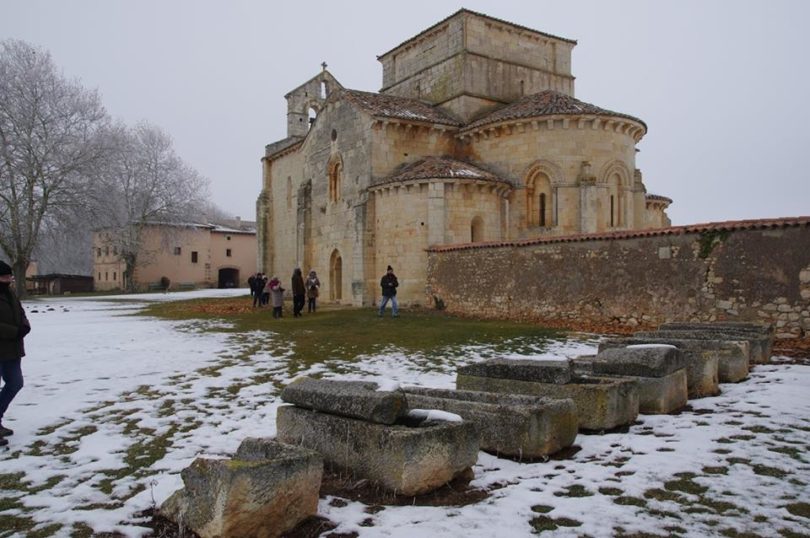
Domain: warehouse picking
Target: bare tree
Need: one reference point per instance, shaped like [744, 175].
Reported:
[145, 183]
[50, 146]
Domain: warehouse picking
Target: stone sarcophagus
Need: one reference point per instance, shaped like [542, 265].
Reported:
[370, 433]
[602, 403]
[265, 490]
[659, 369]
[517, 426]
[701, 361]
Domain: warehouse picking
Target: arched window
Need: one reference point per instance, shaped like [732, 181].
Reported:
[335, 180]
[323, 89]
[312, 114]
[538, 200]
[616, 195]
[477, 230]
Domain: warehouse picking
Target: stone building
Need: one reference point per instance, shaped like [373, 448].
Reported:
[475, 136]
[221, 255]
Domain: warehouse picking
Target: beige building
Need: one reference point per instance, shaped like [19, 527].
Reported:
[475, 136]
[190, 256]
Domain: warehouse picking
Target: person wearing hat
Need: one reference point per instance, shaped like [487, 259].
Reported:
[13, 328]
[389, 284]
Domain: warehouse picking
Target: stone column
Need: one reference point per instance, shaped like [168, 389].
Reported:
[437, 221]
[359, 252]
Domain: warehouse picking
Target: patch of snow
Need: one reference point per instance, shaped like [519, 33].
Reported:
[651, 346]
[387, 385]
[434, 414]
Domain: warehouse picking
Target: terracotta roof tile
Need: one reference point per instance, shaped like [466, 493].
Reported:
[657, 198]
[546, 103]
[391, 106]
[440, 168]
[785, 222]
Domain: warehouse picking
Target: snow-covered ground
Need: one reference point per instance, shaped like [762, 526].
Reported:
[116, 404]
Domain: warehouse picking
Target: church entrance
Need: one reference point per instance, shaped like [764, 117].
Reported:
[336, 276]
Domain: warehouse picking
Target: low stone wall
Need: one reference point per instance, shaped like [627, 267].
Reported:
[745, 270]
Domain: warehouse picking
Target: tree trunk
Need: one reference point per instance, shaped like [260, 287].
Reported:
[19, 268]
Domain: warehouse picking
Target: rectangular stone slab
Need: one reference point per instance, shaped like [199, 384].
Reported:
[701, 362]
[761, 345]
[357, 399]
[762, 333]
[655, 360]
[602, 403]
[541, 371]
[266, 490]
[656, 395]
[512, 425]
[733, 355]
[404, 460]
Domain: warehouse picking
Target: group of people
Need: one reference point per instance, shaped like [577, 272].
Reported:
[266, 290]
[13, 328]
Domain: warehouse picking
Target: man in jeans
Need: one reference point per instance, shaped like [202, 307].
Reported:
[13, 328]
[389, 285]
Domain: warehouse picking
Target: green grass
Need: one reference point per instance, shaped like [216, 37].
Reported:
[346, 333]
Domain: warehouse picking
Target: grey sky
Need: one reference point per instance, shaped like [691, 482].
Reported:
[722, 85]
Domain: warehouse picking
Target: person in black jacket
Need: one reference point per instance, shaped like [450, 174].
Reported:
[389, 284]
[299, 292]
[13, 328]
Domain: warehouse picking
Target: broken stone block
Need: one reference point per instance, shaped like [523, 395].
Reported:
[403, 459]
[733, 355]
[701, 362]
[264, 491]
[357, 399]
[659, 369]
[760, 336]
[602, 403]
[512, 425]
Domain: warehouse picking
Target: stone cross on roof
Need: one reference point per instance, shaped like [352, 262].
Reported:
[323, 64]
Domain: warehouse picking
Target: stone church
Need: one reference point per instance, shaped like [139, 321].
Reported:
[475, 136]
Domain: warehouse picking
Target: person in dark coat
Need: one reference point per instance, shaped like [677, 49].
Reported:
[389, 284]
[252, 286]
[313, 286]
[264, 294]
[299, 292]
[13, 328]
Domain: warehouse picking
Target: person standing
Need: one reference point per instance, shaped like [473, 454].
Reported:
[299, 292]
[252, 286]
[14, 326]
[276, 296]
[313, 290]
[264, 287]
[389, 284]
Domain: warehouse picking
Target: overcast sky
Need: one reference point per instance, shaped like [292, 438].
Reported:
[722, 85]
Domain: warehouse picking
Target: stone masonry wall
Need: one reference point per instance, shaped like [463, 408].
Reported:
[747, 270]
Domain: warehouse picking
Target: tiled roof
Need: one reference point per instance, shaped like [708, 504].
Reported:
[546, 103]
[440, 168]
[658, 198]
[786, 222]
[391, 106]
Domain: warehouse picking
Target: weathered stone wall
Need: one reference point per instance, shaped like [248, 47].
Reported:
[748, 270]
[566, 145]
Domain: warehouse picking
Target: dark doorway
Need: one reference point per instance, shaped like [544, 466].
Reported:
[228, 278]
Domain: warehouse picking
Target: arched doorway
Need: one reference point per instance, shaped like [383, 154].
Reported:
[336, 276]
[228, 278]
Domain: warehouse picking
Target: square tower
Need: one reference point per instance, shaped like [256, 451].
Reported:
[470, 63]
